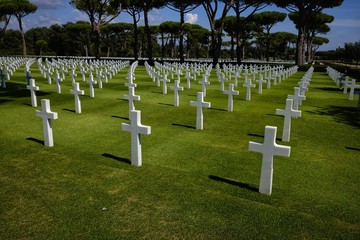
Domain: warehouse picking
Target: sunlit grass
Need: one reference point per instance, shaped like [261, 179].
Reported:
[193, 184]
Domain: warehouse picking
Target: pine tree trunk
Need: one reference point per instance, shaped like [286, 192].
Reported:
[299, 60]
[181, 41]
[22, 35]
[136, 39]
[148, 36]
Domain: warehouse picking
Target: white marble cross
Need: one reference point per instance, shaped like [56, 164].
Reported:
[82, 70]
[91, 82]
[33, 90]
[269, 149]
[199, 104]
[131, 97]
[164, 82]
[188, 80]
[130, 77]
[268, 86]
[48, 72]
[73, 75]
[77, 92]
[58, 81]
[352, 87]
[288, 113]
[346, 84]
[222, 81]
[46, 115]
[230, 94]
[203, 83]
[260, 81]
[176, 88]
[136, 129]
[248, 86]
[99, 76]
[303, 88]
[297, 97]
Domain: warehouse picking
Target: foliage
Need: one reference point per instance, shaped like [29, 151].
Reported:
[305, 10]
[100, 13]
[268, 20]
[182, 6]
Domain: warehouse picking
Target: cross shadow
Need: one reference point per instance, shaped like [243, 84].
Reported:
[125, 118]
[36, 140]
[274, 115]
[69, 110]
[181, 125]
[166, 104]
[120, 159]
[218, 109]
[157, 92]
[122, 99]
[27, 104]
[238, 184]
[261, 136]
[192, 95]
[355, 149]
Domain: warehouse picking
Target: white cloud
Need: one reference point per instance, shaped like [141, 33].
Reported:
[191, 18]
[155, 17]
[346, 23]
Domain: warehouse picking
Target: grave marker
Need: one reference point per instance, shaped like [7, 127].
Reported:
[260, 81]
[288, 113]
[203, 83]
[176, 88]
[269, 149]
[297, 97]
[77, 92]
[131, 97]
[32, 89]
[46, 115]
[58, 81]
[199, 104]
[91, 82]
[230, 94]
[352, 87]
[165, 81]
[136, 129]
[248, 86]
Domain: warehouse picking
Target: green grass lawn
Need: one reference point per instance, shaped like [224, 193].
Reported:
[193, 184]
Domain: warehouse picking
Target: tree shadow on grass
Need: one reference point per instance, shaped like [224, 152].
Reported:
[330, 89]
[346, 115]
[238, 184]
[120, 159]
[5, 101]
[36, 140]
[16, 90]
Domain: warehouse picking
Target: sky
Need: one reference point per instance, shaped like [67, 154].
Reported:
[345, 28]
